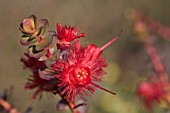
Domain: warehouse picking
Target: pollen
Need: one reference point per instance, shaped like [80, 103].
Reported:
[81, 76]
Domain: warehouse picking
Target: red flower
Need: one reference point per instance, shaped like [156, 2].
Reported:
[79, 69]
[35, 81]
[150, 92]
[32, 63]
[66, 34]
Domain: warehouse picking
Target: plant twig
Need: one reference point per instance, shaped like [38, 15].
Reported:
[6, 105]
[159, 67]
[71, 105]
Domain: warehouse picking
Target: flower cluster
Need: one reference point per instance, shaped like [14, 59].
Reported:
[59, 63]
[35, 81]
[152, 91]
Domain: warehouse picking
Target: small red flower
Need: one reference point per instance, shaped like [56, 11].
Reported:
[150, 92]
[79, 69]
[35, 81]
[66, 34]
[32, 63]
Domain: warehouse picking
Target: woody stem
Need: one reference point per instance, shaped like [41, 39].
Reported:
[71, 105]
[7, 106]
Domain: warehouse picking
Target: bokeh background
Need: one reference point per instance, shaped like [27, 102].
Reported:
[101, 20]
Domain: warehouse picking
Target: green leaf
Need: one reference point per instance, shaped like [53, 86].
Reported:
[44, 23]
[28, 26]
[43, 58]
[28, 41]
[43, 27]
[36, 54]
[34, 19]
[51, 60]
[45, 42]
[53, 33]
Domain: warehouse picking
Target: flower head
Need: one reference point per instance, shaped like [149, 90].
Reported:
[150, 92]
[32, 63]
[35, 81]
[66, 34]
[79, 69]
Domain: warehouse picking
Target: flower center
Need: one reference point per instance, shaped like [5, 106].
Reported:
[81, 76]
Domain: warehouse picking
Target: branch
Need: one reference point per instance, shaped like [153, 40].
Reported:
[6, 105]
[72, 106]
[159, 67]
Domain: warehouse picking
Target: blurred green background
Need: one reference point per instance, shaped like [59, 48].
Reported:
[101, 20]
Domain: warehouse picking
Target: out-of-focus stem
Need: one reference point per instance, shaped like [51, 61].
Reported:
[159, 67]
[154, 26]
[8, 107]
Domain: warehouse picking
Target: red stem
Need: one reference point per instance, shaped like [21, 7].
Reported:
[155, 58]
[159, 68]
[102, 88]
[110, 42]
